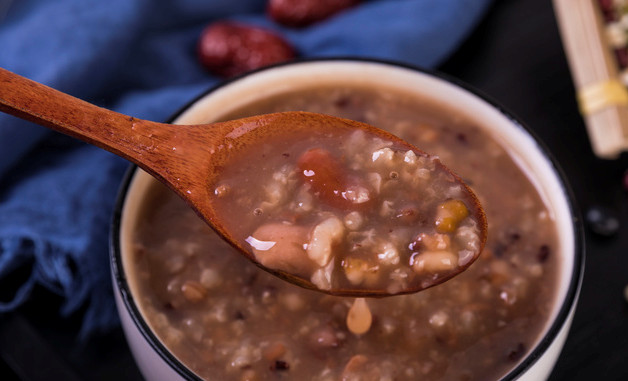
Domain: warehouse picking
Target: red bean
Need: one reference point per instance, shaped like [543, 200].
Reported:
[331, 182]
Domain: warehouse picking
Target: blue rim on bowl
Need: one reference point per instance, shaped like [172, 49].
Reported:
[531, 358]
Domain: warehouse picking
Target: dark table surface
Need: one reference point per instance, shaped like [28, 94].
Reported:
[515, 56]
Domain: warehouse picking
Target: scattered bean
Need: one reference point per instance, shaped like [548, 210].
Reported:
[210, 278]
[449, 214]
[434, 262]
[517, 352]
[354, 366]
[432, 242]
[274, 351]
[602, 221]
[193, 291]
[280, 365]
[543, 254]
[279, 246]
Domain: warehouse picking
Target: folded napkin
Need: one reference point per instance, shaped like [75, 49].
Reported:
[138, 57]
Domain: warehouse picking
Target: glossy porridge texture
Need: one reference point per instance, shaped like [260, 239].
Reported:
[226, 319]
[346, 209]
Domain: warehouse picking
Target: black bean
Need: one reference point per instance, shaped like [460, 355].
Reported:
[517, 352]
[602, 221]
[499, 249]
[251, 278]
[505, 243]
[280, 365]
[543, 253]
[239, 315]
[342, 102]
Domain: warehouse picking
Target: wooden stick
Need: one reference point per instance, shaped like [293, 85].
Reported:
[603, 99]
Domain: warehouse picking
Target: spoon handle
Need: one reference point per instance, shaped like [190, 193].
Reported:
[123, 135]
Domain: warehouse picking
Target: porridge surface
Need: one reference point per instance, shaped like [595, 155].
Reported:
[226, 319]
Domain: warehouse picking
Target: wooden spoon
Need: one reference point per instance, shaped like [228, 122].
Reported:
[188, 158]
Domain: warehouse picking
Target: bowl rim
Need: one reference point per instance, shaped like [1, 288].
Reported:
[531, 358]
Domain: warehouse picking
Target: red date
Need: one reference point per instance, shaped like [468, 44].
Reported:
[300, 13]
[229, 49]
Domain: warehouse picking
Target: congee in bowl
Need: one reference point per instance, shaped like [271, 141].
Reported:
[215, 315]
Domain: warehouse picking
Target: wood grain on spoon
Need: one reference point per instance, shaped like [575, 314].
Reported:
[192, 159]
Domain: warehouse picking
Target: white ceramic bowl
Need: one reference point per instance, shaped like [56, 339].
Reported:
[154, 360]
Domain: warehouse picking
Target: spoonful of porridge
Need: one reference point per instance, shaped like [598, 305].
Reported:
[327, 203]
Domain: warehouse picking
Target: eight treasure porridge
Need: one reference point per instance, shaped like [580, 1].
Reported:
[346, 209]
[225, 318]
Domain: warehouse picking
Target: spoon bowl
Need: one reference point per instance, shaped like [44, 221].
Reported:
[190, 159]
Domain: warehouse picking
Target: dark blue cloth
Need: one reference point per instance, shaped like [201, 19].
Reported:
[138, 57]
